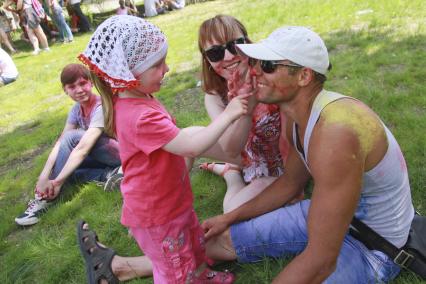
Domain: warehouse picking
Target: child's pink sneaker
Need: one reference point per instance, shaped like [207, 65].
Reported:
[209, 276]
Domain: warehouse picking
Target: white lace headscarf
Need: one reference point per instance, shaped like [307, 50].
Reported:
[123, 47]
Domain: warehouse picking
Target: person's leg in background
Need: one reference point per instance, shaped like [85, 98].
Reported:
[101, 164]
[84, 21]
[102, 158]
[58, 24]
[34, 41]
[41, 37]
[69, 141]
[63, 27]
[5, 40]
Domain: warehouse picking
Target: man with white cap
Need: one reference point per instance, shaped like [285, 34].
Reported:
[354, 161]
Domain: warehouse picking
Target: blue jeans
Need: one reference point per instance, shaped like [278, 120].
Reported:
[64, 29]
[102, 158]
[283, 233]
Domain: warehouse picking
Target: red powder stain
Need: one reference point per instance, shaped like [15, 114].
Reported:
[402, 163]
[381, 174]
[220, 72]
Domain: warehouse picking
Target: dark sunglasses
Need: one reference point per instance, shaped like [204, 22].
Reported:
[217, 52]
[269, 66]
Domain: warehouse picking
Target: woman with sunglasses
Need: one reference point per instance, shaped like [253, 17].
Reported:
[254, 142]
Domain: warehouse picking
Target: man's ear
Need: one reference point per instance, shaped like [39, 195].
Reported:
[305, 76]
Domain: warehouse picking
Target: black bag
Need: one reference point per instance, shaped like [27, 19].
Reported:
[411, 256]
[416, 245]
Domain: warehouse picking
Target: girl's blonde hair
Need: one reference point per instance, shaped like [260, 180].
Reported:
[107, 104]
[221, 28]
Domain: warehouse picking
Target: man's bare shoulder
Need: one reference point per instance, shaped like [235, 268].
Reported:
[353, 116]
[347, 133]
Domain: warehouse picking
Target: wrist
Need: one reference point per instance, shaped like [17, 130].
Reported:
[228, 117]
[229, 218]
[43, 177]
[57, 182]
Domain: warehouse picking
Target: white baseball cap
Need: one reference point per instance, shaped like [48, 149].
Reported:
[297, 44]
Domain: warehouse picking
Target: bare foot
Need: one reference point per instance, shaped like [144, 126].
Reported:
[220, 169]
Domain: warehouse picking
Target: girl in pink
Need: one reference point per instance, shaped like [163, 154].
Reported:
[127, 56]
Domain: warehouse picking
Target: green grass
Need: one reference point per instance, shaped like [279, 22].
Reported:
[378, 57]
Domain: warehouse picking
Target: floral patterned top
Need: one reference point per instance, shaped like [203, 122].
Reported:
[265, 152]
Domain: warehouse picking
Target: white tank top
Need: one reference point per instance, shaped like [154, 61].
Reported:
[385, 204]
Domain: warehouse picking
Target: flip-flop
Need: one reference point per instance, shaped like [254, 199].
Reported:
[227, 167]
[98, 259]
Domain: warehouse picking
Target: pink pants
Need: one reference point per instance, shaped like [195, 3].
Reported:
[176, 248]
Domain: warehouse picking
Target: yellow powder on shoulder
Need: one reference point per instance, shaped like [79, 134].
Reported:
[359, 118]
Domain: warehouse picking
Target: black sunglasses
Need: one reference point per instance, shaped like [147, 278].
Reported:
[217, 52]
[269, 66]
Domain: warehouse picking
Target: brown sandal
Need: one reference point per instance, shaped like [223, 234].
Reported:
[98, 259]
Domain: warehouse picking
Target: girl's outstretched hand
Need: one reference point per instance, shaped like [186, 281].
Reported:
[243, 83]
[237, 107]
[240, 81]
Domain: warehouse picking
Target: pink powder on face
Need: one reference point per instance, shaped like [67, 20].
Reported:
[219, 72]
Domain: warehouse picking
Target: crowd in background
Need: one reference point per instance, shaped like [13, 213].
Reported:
[41, 21]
